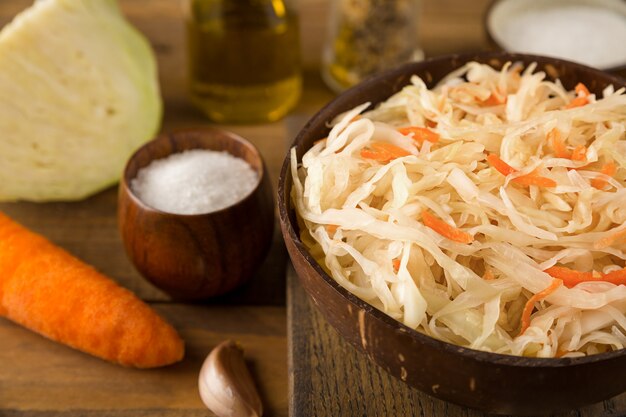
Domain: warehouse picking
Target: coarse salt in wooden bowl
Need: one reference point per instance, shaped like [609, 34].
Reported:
[490, 382]
[196, 256]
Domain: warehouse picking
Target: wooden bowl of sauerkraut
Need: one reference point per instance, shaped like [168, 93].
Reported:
[462, 221]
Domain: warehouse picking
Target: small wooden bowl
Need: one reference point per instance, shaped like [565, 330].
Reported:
[490, 382]
[201, 255]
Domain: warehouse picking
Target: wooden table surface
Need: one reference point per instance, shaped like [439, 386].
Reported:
[41, 378]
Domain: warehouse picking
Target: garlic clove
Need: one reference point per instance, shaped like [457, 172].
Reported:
[225, 384]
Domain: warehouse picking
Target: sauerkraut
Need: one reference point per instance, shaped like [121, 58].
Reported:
[488, 212]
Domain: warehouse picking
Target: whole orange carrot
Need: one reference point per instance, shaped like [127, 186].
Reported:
[47, 290]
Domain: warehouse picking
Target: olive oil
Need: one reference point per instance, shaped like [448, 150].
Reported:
[244, 59]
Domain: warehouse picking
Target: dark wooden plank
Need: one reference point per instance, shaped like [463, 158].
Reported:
[42, 378]
[328, 377]
[146, 412]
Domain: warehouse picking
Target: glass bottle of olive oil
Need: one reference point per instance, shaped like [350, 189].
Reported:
[244, 59]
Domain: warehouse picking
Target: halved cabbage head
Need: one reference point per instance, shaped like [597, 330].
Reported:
[78, 94]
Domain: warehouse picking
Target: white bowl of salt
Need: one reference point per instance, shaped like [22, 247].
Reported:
[589, 32]
[196, 212]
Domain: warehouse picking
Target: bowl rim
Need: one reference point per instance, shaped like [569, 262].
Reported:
[616, 70]
[284, 208]
[172, 136]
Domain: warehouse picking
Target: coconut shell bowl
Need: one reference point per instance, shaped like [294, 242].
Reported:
[201, 255]
[489, 382]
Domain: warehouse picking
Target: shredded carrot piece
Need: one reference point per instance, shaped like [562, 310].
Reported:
[577, 102]
[579, 153]
[396, 264]
[582, 93]
[560, 150]
[582, 90]
[431, 123]
[501, 166]
[445, 230]
[331, 228]
[493, 100]
[532, 178]
[609, 240]
[420, 134]
[488, 275]
[556, 141]
[616, 277]
[571, 277]
[607, 169]
[530, 304]
[383, 152]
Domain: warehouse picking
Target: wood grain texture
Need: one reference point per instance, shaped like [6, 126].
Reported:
[88, 230]
[328, 377]
[43, 378]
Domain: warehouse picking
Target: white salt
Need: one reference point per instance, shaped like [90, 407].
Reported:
[194, 182]
[588, 34]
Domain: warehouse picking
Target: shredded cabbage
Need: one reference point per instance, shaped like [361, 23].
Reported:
[553, 198]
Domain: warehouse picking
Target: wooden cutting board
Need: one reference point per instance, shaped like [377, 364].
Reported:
[329, 378]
